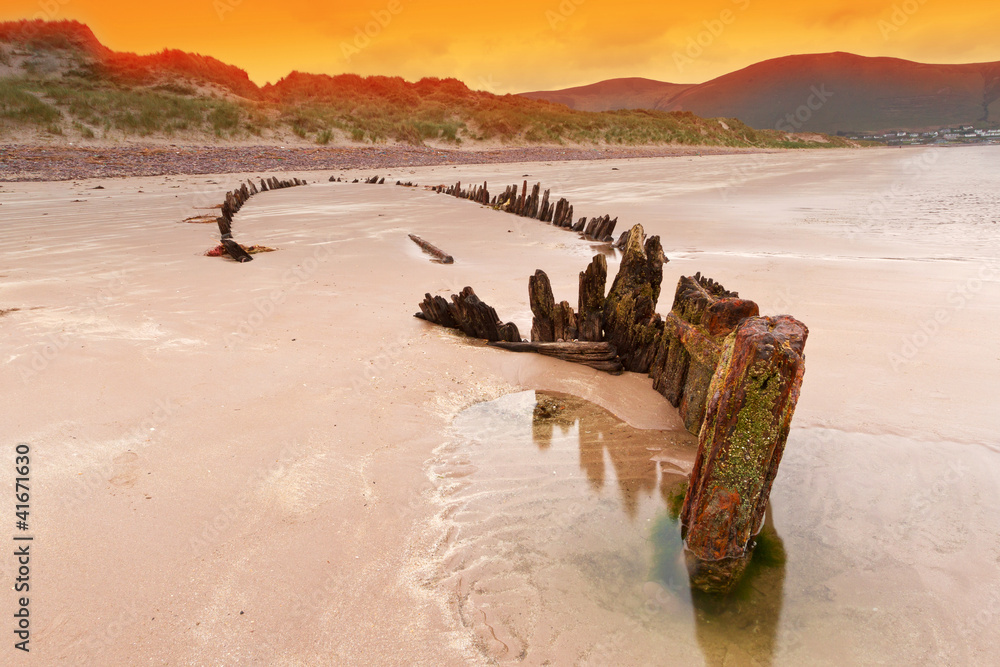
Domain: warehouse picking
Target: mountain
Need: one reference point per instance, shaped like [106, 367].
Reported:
[833, 92]
[58, 82]
[613, 94]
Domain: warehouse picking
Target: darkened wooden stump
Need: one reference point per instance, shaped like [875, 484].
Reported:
[590, 304]
[753, 395]
[234, 250]
[630, 319]
[468, 313]
[551, 321]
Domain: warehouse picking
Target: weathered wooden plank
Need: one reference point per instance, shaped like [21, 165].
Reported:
[598, 355]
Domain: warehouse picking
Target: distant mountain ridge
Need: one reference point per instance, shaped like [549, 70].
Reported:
[826, 92]
[614, 94]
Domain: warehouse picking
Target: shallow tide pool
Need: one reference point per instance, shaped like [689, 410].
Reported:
[557, 543]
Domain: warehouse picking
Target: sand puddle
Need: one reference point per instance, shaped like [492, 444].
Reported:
[557, 543]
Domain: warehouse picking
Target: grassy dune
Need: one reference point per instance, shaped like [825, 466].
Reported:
[59, 80]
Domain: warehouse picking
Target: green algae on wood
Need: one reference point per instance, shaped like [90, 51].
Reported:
[752, 397]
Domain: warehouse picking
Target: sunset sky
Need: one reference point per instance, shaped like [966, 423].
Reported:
[521, 45]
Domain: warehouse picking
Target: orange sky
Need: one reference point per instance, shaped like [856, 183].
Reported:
[521, 45]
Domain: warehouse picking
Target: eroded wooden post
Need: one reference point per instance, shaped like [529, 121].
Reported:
[590, 303]
[712, 313]
[631, 323]
[551, 322]
[752, 397]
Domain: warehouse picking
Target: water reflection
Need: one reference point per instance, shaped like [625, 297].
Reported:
[755, 605]
[573, 510]
[598, 435]
[753, 608]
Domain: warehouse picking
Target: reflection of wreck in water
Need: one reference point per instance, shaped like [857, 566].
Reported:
[635, 472]
[754, 606]
[740, 627]
[558, 513]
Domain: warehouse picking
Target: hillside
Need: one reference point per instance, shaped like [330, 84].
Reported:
[59, 83]
[846, 93]
[613, 94]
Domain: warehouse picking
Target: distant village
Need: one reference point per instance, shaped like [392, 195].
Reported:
[962, 134]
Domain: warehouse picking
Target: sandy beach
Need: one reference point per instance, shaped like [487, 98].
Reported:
[276, 463]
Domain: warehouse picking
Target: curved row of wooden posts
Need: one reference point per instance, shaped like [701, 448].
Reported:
[234, 201]
[733, 375]
[536, 205]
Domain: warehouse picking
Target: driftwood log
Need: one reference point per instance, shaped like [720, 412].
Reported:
[431, 249]
[753, 394]
[599, 355]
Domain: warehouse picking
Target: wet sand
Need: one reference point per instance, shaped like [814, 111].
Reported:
[211, 438]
